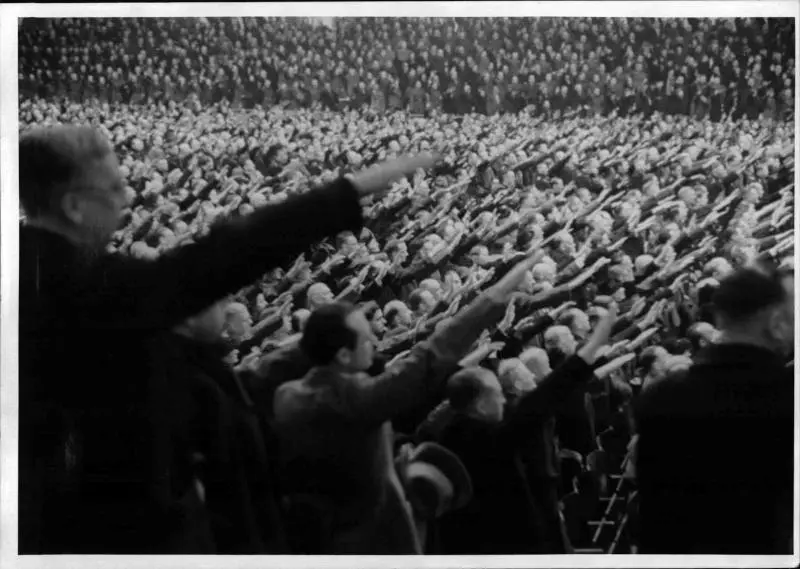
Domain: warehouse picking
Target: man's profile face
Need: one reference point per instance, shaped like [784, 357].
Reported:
[581, 326]
[561, 341]
[102, 198]
[320, 295]
[239, 325]
[361, 356]
[428, 302]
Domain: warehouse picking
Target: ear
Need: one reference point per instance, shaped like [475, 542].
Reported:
[779, 323]
[480, 405]
[72, 207]
[344, 357]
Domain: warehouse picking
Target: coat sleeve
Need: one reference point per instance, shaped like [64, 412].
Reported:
[549, 395]
[153, 295]
[662, 480]
[418, 378]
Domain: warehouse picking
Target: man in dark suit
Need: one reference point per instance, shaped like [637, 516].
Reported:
[334, 424]
[716, 442]
[89, 413]
[506, 515]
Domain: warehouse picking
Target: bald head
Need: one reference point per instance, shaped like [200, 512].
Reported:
[432, 286]
[319, 294]
[238, 322]
[515, 378]
[536, 360]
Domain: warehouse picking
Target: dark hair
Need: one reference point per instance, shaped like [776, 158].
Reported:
[391, 315]
[415, 300]
[678, 346]
[326, 332]
[393, 247]
[647, 358]
[464, 387]
[51, 160]
[706, 293]
[568, 318]
[748, 290]
[369, 309]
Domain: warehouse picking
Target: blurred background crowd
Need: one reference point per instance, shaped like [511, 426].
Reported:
[736, 68]
[647, 159]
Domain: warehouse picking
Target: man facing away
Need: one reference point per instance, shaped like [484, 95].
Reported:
[334, 424]
[89, 416]
[715, 451]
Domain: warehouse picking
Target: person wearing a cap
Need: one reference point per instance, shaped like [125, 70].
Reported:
[715, 446]
[73, 195]
[334, 424]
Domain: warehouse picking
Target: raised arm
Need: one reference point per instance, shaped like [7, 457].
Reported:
[162, 293]
[575, 372]
[421, 375]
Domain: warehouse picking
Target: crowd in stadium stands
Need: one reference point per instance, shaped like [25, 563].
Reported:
[737, 67]
[647, 159]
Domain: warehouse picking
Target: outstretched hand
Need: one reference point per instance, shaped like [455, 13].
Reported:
[599, 337]
[378, 179]
[503, 290]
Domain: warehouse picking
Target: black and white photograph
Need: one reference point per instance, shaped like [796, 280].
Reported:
[448, 282]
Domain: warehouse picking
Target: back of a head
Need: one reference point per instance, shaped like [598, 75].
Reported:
[415, 299]
[747, 292]
[431, 285]
[650, 356]
[236, 309]
[570, 317]
[392, 310]
[537, 361]
[326, 332]
[53, 162]
[556, 331]
[514, 376]
[465, 387]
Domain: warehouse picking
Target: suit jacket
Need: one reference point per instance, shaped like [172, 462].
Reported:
[715, 456]
[88, 399]
[337, 439]
[502, 517]
[212, 419]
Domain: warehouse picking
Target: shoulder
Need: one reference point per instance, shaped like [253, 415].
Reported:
[293, 401]
[662, 396]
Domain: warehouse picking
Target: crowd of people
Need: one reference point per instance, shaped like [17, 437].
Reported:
[458, 368]
[550, 66]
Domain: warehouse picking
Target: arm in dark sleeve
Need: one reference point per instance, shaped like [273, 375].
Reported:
[152, 295]
[516, 343]
[687, 241]
[628, 333]
[416, 272]
[440, 307]
[549, 394]
[546, 299]
[420, 376]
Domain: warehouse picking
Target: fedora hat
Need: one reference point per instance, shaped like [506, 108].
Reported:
[435, 480]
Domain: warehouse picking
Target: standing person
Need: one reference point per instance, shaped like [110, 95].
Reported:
[89, 419]
[334, 424]
[715, 451]
[506, 515]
